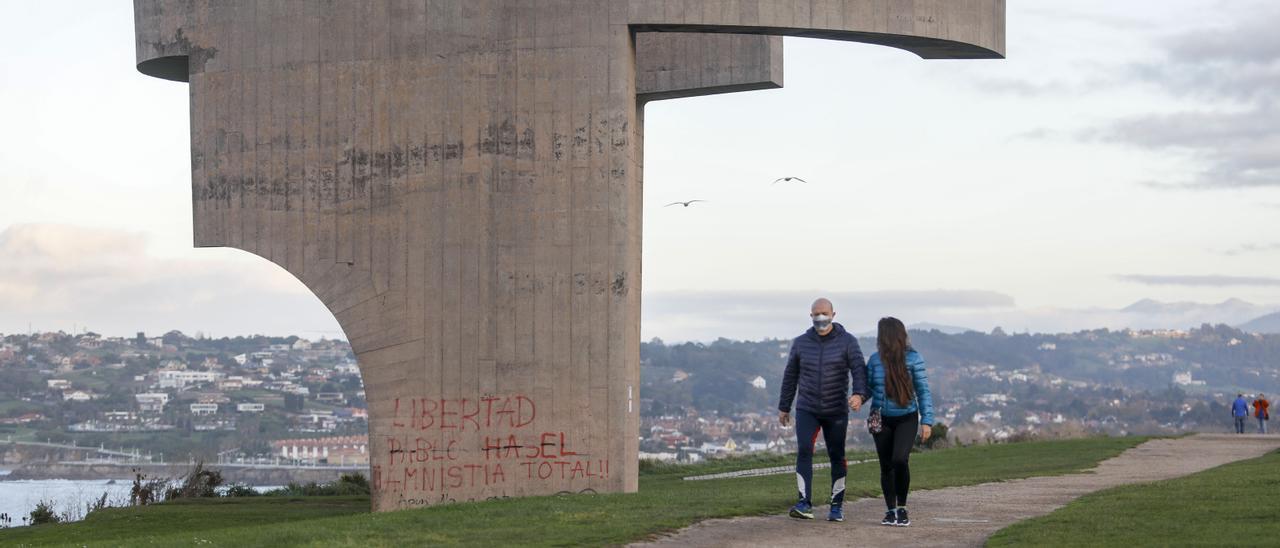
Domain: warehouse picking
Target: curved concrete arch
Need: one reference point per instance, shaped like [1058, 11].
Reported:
[460, 184]
[931, 29]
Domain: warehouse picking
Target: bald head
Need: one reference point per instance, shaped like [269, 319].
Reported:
[822, 306]
[822, 313]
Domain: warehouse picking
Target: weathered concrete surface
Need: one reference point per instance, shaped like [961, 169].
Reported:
[460, 184]
[967, 516]
[673, 65]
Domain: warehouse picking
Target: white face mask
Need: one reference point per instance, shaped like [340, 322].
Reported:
[821, 322]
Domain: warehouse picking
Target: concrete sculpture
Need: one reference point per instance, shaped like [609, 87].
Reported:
[460, 183]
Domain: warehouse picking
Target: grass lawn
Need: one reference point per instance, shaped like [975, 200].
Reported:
[664, 503]
[18, 407]
[18, 433]
[1234, 505]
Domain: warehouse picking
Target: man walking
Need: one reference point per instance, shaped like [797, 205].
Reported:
[817, 379]
[1239, 409]
[1261, 411]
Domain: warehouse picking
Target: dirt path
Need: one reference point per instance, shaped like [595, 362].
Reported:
[967, 516]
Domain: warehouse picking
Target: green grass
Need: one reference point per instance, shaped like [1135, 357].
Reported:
[665, 502]
[18, 407]
[1234, 504]
[17, 433]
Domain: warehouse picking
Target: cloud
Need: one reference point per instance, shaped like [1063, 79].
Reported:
[1252, 248]
[1237, 148]
[1025, 88]
[1234, 70]
[1200, 281]
[56, 276]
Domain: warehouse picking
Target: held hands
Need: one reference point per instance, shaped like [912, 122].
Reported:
[855, 402]
[925, 432]
[784, 418]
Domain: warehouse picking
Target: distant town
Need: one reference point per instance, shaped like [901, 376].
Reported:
[256, 399]
[298, 401]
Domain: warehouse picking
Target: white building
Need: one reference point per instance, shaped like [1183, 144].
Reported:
[153, 402]
[758, 382]
[992, 399]
[986, 416]
[120, 416]
[333, 450]
[76, 395]
[250, 407]
[1184, 378]
[204, 409]
[181, 379]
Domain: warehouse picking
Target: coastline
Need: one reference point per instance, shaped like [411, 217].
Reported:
[231, 473]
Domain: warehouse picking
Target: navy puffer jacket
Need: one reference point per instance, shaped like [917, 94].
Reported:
[819, 370]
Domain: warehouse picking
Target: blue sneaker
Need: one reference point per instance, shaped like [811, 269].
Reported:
[836, 513]
[802, 510]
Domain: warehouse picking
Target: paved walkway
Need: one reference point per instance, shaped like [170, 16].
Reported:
[967, 516]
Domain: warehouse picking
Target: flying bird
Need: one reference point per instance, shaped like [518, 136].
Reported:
[685, 204]
[787, 180]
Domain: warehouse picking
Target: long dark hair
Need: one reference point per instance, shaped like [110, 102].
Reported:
[893, 343]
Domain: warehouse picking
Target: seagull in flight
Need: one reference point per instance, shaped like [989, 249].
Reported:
[685, 204]
[787, 180]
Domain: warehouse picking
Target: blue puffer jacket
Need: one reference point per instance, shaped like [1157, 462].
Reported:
[819, 369]
[919, 378]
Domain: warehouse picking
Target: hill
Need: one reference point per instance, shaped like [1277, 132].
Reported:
[1269, 324]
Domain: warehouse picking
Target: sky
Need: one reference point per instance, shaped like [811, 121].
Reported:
[1121, 168]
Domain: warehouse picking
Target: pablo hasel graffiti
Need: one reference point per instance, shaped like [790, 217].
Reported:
[491, 443]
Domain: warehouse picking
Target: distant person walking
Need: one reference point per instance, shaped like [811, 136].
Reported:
[1261, 412]
[901, 400]
[1239, 410]
[820, 366]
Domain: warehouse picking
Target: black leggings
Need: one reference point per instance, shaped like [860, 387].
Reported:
[893, 446]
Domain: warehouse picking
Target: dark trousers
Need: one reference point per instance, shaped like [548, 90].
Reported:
[833, 428]
[893, 446]
[1239, 425]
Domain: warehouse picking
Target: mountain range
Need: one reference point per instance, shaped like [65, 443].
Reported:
[706, 316]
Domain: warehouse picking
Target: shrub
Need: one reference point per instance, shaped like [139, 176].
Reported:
[937, 440]
[44, 514]
[353, 484]
[198, 483]
[146, 491]
[96, 505]
[1021, 437]
[347, 484]
[241, 490]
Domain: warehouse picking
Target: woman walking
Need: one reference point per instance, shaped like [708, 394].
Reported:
[1261, 410]
[901, 403]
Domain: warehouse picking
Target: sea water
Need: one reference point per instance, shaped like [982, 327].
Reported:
[68, 497]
